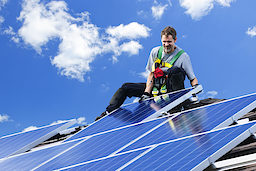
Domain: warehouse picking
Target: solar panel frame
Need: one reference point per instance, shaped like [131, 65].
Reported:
[167, 133]
[29, 160]
[240, 114]
[148, 149]
[213, 157]
[90, 130]
[54, 129]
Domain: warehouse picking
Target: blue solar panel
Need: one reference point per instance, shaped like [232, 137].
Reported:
[131, 146]
[199, 120]
[30, 160]
[21, 142]
[188, 153]
[193, 153]
[137, 112]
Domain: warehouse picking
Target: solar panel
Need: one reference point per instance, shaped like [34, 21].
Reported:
[137, 112]
[21, 142]
[29, 160]
[199, 120]
[126, 146]
[194, 152]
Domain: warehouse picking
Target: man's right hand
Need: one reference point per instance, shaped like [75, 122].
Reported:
[144, 96]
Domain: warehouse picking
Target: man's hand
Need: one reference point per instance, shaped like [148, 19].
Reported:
[144, 96]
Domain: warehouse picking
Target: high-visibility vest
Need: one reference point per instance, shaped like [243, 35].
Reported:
[165, 64]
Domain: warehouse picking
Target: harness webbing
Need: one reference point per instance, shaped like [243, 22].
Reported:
[165, 64]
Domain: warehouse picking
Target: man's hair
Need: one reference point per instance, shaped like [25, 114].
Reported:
[169, 31]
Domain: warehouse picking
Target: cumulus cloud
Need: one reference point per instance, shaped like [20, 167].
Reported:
[14, 37]
[131, 47]
[251, 31]
[130, 31]
[2, 3]
[30, 128]
[144, 74]
[80, 121]
[199, 8]
[208, 94]
[80, 41]
[4, 118]
[1, 20]
[211, 94]
[158, 11]
[105, 87]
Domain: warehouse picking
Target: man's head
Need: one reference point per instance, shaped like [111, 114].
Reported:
[168, 38]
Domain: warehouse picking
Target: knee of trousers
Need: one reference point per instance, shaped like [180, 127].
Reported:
[125, 86]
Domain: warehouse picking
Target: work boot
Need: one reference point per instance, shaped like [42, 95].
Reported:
[102, 115]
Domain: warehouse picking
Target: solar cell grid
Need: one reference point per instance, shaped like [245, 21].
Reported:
[21, 142]
[195, 121]
[163, 143]
[196, 150]
[135, 112]
[100, 146]
[30, 160]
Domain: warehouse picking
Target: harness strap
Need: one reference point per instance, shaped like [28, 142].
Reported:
[165, 64]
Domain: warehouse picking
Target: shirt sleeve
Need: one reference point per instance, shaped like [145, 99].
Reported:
[187, 66]
[151, 59]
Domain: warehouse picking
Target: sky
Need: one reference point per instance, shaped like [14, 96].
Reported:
[62, 60]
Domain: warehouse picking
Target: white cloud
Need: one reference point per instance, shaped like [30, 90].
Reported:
[225, 3]
[144, 74]
[1, 20]
[80, 41]
[208, 94]
[30, 128]
[14, 36]
[158, 11]
[2, 3]
[104, 87]
[199, 8]
[251, 31]
[131, 47]
[130, 31]
[4, 118]
[80, 120]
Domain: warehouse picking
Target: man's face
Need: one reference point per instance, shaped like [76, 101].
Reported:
[168, 43]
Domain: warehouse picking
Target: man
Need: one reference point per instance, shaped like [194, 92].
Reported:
[176, 73]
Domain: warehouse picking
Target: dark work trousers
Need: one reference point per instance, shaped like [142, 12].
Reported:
[175, 81]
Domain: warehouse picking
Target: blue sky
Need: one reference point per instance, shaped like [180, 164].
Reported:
[61, 60]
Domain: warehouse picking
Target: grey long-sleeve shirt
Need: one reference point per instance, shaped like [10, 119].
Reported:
[182, 62]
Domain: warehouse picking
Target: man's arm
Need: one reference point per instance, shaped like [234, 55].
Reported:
[149, 84]
[194, 82]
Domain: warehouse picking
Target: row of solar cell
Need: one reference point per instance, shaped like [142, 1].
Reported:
[136, 112]
[198, 120]
[146, 134]
[21, 142]
[190, 153]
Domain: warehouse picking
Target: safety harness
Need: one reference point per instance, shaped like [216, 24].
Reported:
[160, 77]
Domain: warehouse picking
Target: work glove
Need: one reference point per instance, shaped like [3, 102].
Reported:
[144, 96]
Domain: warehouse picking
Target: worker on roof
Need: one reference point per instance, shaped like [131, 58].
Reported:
[167, 65]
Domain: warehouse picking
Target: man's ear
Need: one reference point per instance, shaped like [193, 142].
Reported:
[175, 40]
